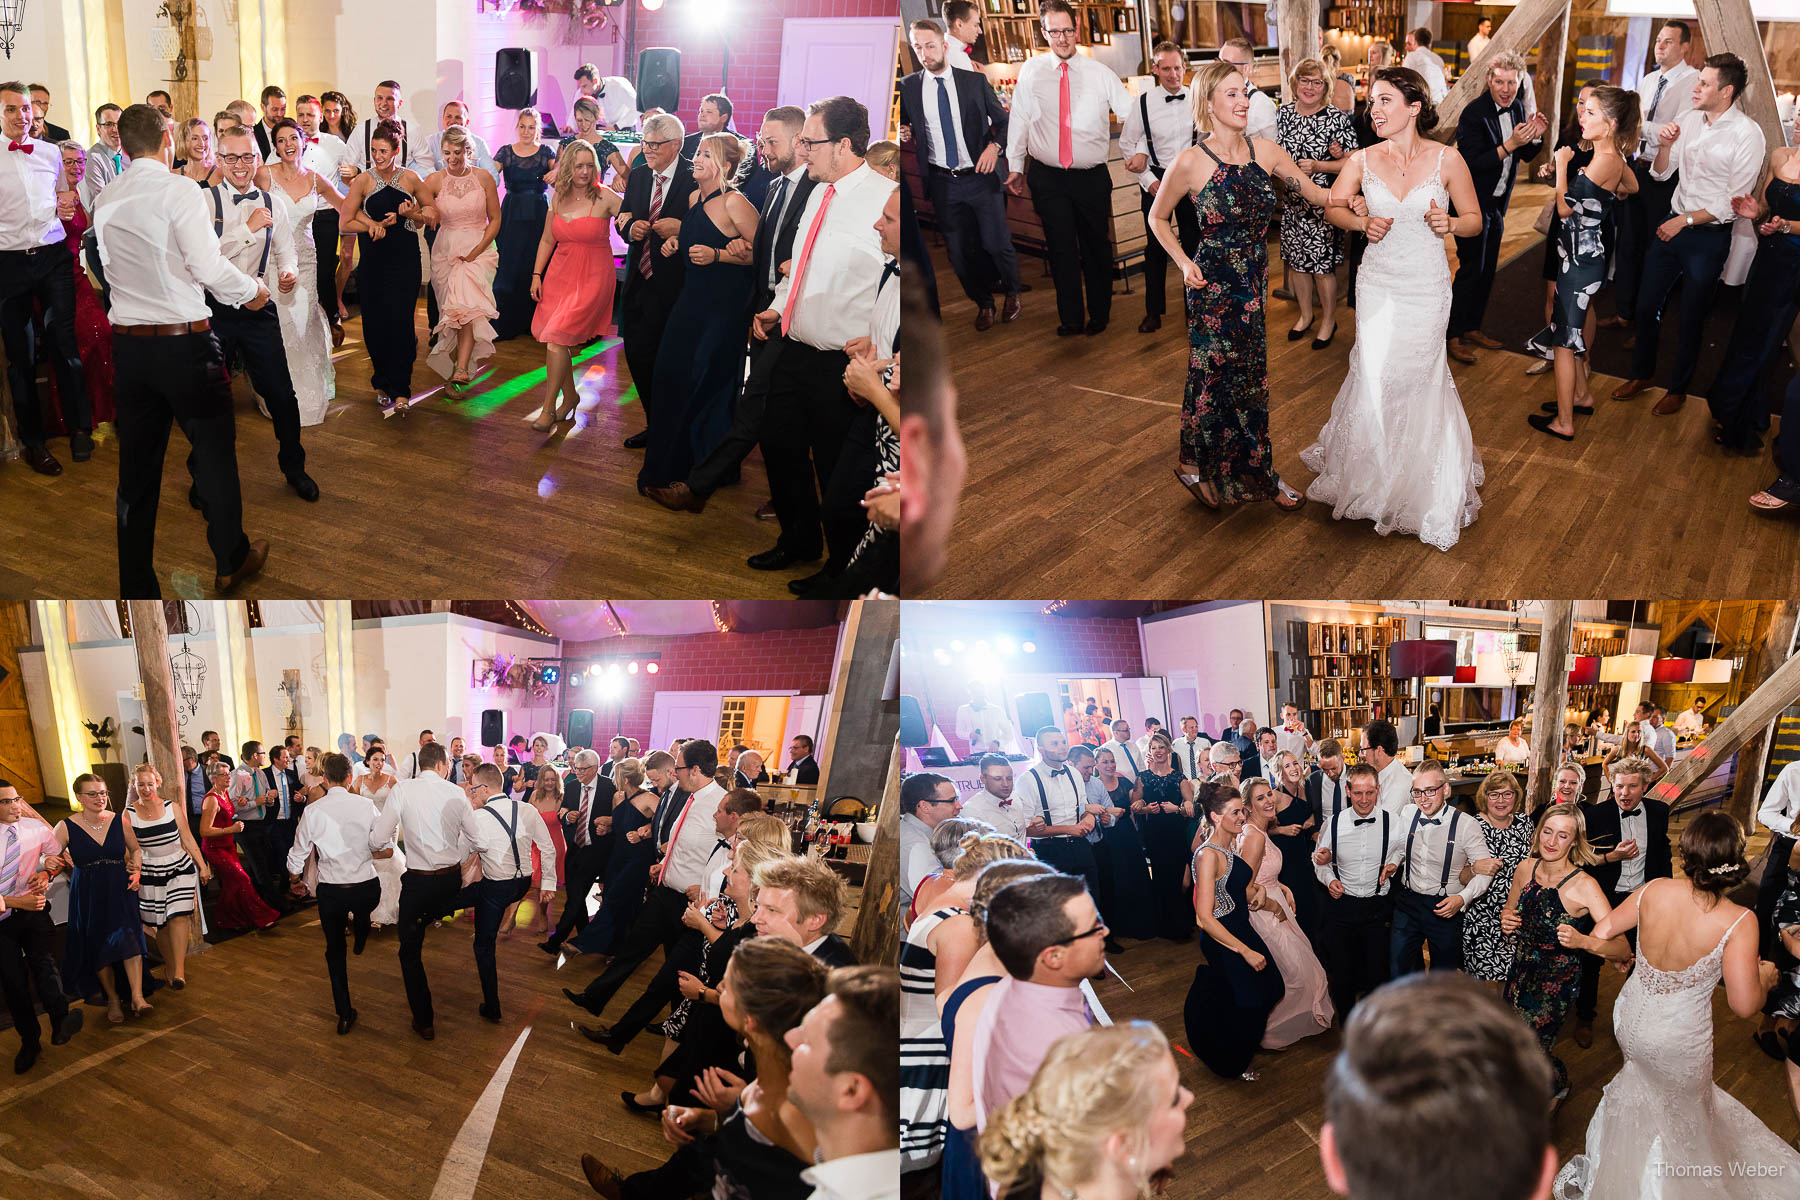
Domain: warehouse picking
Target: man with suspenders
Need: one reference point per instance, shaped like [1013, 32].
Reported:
[1429, 902]
[1157, 129]
[1357, 856]
[1055, 797]
[502, 831]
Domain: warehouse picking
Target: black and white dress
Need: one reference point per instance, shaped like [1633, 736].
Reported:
[168, 880]
[924, 1059]
[1487, 952]
[1308, 242]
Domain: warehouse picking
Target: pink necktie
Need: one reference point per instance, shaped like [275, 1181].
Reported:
[812, 235]
[1065, 122]
[646, 256]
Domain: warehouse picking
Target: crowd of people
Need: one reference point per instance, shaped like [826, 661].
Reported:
[1318, 890]
[756, 301]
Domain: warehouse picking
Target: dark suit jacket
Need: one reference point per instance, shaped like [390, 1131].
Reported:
[983, 116]
[263, 142]
[739, 779]
[1478, 138]
[1603, 835]
[664, 283]
[809, 772]
[834, 951]
[604, 791]
[775, 243]
[55, 133]
[272, 808]
[1318, 791]
[755, 187]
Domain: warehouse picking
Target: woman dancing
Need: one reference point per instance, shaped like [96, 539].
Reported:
[575, 294]
[464, 203]
[387, 278]
[306, 335]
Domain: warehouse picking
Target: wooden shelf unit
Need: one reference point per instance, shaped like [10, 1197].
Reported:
[1342, 674]
[1607, 694]
[1372, 18]
[1013, 32]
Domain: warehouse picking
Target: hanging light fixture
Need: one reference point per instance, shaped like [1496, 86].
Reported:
[1627, 668]
[1713, 669]
[12, 17]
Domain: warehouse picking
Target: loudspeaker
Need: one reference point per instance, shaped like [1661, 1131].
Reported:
[493, 727]
[659, 79]
[581, 728]
[1034, 713]
[913, 731]
[515, 77]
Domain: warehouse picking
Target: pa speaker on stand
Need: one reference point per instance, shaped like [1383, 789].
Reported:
[659, 79]
[515, 77]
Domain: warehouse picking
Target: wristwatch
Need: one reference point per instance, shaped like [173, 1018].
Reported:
[1690, 218]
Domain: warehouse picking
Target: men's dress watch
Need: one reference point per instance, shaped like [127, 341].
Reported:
[1690, 218]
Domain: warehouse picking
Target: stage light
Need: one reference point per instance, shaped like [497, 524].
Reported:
[709, 14]
[631, 668]
[982, 647]
[1029, 647]
[610, 685]
[1005, 646]
[957, 646]
[651, 668]
[575, 679]
[551, 674]
[653, 5]
[981, 664]
[942, 656]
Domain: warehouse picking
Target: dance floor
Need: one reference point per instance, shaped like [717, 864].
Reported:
[1071, 444]
[239, 1085]
[452, 498]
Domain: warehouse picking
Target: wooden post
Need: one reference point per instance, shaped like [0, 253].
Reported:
[1518, 33]
[1728, 25]
[1549, 699]
[1553, 52]
[1299, 39]
[150, 633]
[187, 91]
[18, 746]
[1753, 757]
[876, 938]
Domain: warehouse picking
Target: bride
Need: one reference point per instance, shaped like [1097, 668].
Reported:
[1397, 449]
[305, 334]
[1663, 1130]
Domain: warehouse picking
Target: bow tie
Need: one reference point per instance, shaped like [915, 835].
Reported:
[252, 194]
[20, 146]
[1630, 812]
[1430, 821]
[1059, 771]
[1007, 803]
[1369, 821]
[1175, 97]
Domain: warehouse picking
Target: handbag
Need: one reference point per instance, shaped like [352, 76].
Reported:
[1544, 218]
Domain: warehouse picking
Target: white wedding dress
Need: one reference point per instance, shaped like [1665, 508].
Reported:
[305, 335]
[1663, 1129]
[387, 870]
[1397, 449]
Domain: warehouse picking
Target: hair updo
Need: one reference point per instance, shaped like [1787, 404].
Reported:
[978, 850]
[1712, 853]
[1621, 107]
[389, 131]
[1411, 86]
[732, 155]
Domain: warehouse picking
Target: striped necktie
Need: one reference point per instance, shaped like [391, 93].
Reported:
[9, 865]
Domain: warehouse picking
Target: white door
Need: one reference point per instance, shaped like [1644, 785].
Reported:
[805, 715]
[1140, 698]
[828, 56]
[1184, 697]
[684, 714]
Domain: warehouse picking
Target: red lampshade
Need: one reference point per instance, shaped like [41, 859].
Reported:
[1672, 670]
[1586, 671]
[1417, 658]
[1465, 674]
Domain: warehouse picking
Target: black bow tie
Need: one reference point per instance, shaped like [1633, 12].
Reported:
[1429, 821]
[252, 194]
[1059, 771]
[1365, 821]
[1175, 97]
[1630, 812]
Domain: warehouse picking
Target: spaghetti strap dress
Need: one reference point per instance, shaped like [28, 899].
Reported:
[105, 924]
[387, 285]
[576, 299]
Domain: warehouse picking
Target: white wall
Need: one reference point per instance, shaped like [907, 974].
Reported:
[1223, 646]
[38, 56]
[522, 712]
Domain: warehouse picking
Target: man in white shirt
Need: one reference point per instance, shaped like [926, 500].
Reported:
[502, 832]
[1241, 53]
[1692, 721]
[1436, 842]
[1060, 120]
[1779, 811]
[1358, 854]
[1663, 95]
[1291, 735]
[1190, 749]
[336, 828]
[845, 1080]
[1152, 727]
[1717, 151]
[410, 766]
[1325, 787]
[1262, 765]
[255, 235]
[926, 801]
[962, 21]
[1484, 32]
[995, 802]
[34, 265]
[1381, 747]
[1056, 807]
[983, 725]
[388, 103]
[821, 312]
[617, 99]
[106, 158]
[431, 810]
[1126, 754]
[1660, 737]
[1419, 57]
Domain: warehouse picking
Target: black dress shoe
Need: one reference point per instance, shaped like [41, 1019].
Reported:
[42, 461]
[491, 1014]
[1067, 330]
[304, 486]
[346, 1023]
[67, 1028]
[603, 1036]
[805, 584]
[253, 562]
[194, 499]
[424, 1031]
[638, 441]
[643, 1110]
[779, 558]
[551, 947]
[1150, 324]
[579, 1001]
[1095, 327]
[27, 1058]
[361, 939]
[81, 446]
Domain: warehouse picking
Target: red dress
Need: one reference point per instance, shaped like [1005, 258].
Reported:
[239, 905]
[93, 336]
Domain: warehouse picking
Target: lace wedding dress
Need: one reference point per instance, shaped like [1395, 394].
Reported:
[388, 870]
[1397, 449]
[305, 335]
[1663, 1130]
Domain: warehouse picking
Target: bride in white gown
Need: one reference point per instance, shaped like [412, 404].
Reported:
[1397, 449]
[1663, 1129]
[305, 334]
[376, 781]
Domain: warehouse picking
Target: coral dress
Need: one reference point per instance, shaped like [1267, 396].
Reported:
[465, 290]
[576, 304]
[239, 905]
[93, 338]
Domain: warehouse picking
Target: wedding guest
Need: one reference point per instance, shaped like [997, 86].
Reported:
[1487, 949]
[338, 118]
[524, 167]
[501, 842]
[201, 163]
[93, 336]
[1325, 786]
[945, 847]
[1770, 302]
[1319, 137]
[1152, 139]
[1358, 854]
[1513, 750]
[1191, 747]
[1292, 735]
[586, 819]
[843, 1081]
[650, 211]
[28, 858]
[1567, 787]
[545, 794]
[405, 145]
[383, 193]
[1056, 804]
[1240, 52]
[926, 801]
[627, 871]
[240, 908]
[587, 129]
[1121, 854]
[335, 828]
[274, 108]
[1664, 94]
[1266, 762]
[171, 867]
[305, 192]
[1630, 835]
[40, 110]
[463, 202]
[1420, 58]
[105, 927]
[1305, 1006]
[223, 120]
[802, 900]
[1430, 896]
[575, 294]
[1381, 749]
[962, 29]
[957, 133]
[995, 804]
[1631, 744]
[108, 157]
[1716, 153]
[1236, 987]
[1293, 832]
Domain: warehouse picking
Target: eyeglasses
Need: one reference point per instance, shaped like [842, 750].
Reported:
[1419, 793]
[93, 795]
[237, 158]
[1060, 33]
[109, 124]
[1099, 927]
[809, 143]
[1497, 794]
[650, 145]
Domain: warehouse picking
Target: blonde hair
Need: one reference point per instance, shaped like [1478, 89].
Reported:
[212, 153]
[1632, 764]
[1509, 61]
[1495, 779]
[883, 156]
[731, 153]
[565, 175]
[587, 105]
[1090, 1086]
[1581, 853]
[752, 856]
[816, 887]
[979, 850]
[1306, 68]
[456, 135]
[765, 829]
[1206, 82]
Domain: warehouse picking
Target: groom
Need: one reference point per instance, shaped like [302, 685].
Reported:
[1494, 137]
[1630, 833]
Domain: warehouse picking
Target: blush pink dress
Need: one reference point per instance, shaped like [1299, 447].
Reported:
[465, 290]
[1305, 1007]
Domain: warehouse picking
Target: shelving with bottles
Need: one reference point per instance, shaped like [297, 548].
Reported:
[1341, 681]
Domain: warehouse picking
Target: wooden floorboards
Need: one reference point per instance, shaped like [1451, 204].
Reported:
[1071, 441]
[456, 499]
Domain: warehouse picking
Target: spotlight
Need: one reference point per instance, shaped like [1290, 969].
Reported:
[1029, 647]
[613, 670]
[575, 679]
[631, 668]
[942, 656]
[958, 646]
[651, 668]
[1005, 646]
[610, 685]
[551, 674]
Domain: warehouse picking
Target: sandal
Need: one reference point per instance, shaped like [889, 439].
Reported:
[1780, 495]
[1193, 485]
[1580, 410]
[1287, 499]
[1541, 423]
[115, 1014]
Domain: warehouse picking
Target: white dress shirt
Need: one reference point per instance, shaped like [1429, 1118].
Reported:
[1429, 65]
[1425, 873]
[323, 154]
[1677, 98]
[1716, 161]
[1129, 759]
[1357, 859]
[1260, 123]
[505, 856]
[1171, 130]
[987, 724]
[1505, 753]
[1056, 795]
[1034, 126]
[1008, 817]
[837, 296]
[28, 195]
[618, 102]
[1661, 739]
[1333, 798]
[884, 323]
[158, 250]
[916, 857]
[1634, 826]
[431, 157]
[1477, 44]
[695, 838]
[1396, 786]
[410, 153]
[1258, 767]
[244, 247]
[430, 811]
[934, 131]
[872, 1176]
[1689, 721]
[104, 164]
[1294, 741]
[956, 53]
[337, 825]
[1782, 805]
[1189, 753]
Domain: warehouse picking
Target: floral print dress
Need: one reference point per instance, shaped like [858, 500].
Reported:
[1225, 413]
[1487, 952]
[1308, 242]
[1546, 976]
[1581, 270]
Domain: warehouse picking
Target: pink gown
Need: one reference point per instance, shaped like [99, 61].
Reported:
[1305, 1007]
[577, 303]
[465, 290]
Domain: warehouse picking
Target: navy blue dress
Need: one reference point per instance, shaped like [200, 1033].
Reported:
[1228, 1004]
[962, 1178]
[698, 373]
[1130, 907]
[623, 886]
[1581, 254]
[105, 922]
[522, 212]
[387, 287]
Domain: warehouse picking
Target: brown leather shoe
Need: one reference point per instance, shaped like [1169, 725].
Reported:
[42, 461]
[1631, 389]
[1584, 1034]
[984, 320]
[1670, 404]
[1481, 339]
[602, 1178]
[679, 497]
[1460, 352]
[1009, 312]
[253, 562]
[1150, 324]
[1614, 323]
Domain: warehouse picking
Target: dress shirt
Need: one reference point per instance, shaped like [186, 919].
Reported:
[248, 788]
[1258, 767]
[1098, 795]
[1333, 799]
[1260, 123]
[337, 825]
[104, 164]
[1428, 64]
[931, 84]
[1357, 861]
[1782, 805]
[979, 726]
[1661, 739]
[1033, 129]
[1716, 162]
[282, 793]
[1477, 44]
[245, 248]
[411, 152]
[429, 812]
[884, 324]
[775, 216]
[158, 250]
[916, 857]
[837, 297]
[618, 102]
[1633, 826]
[1061, 790]
[1676, 99]
[431, 157]
[1129, 758]
[1396, 786]
[196, 791]
[872, 1176]
[28, 187]
[1505, 752]
[1294, 741]
[36, 842]
[956, 53]
[1171, 130]
[717, 864]
[1188, 754]
[1008, 817]
[1428, 849]
[503, 855]
[1018, 1025]
[685, 865]
[1689, 721]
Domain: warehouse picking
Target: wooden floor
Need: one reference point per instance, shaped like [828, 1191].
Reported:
[454, 499]
[1071, 442]
[238, 1086]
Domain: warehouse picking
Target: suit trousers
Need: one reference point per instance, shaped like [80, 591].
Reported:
[253, 339]
[1587, 1002]
[724, 464]
[1353, 941]
[26, 961]
[819, 448]
[658, 926]
[1638, 216]
[1695, 259]
[1071, 856]
[1477, 258]
[254, 842]
[1156, 259]
[281, 840]
[643, 316]
[582, 867]
[1768, 891]
[48, 278]
[423, 899]
[1075, 207]
[1738, 396]
[338, 903]
[971, 214]
[1416, 926]
[325, 237]
[490, 898]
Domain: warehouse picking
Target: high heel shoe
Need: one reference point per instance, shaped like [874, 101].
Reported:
[1322, 343]
[1295, 335]
[138, 1010]
[632, 1105]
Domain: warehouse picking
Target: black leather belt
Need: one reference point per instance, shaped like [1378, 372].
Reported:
[954, 172]
[48, 246]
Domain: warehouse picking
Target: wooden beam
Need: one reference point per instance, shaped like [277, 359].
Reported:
[1549, 699]
[18, 745]
[1518, 33]
[1554, 49]
[876, 938]
[1753, 758]
[1728, 25]
[1778, 688]
[150, 634]
[1299, 39]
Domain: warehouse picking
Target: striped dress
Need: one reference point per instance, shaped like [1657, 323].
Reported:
[924, 1059]
[168, 881]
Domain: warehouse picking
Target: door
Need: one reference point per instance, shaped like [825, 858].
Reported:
[1140, 698]
[841, 57]
[1184, 697]
[805, 714]
[684, 714]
